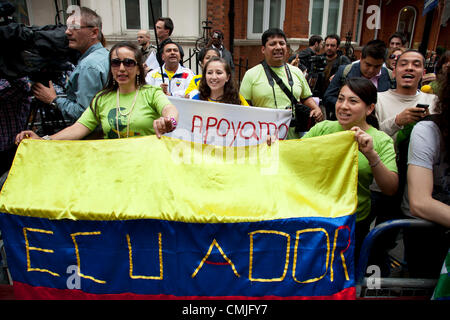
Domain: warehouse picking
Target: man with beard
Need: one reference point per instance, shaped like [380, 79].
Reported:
[258, 92]
[143, 39]
[334, 56]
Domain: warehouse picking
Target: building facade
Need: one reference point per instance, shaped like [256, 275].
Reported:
[244, 21]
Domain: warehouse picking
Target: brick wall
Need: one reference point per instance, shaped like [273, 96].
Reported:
[296, 25]
[217, 12]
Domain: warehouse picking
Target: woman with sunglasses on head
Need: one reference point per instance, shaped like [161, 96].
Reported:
[126, 107]
[217, 84]
[393, 54]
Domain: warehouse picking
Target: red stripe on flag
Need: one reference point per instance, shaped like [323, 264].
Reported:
[24, 291]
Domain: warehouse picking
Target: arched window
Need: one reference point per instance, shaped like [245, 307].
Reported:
[406, 23]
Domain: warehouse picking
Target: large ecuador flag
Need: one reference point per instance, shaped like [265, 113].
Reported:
[171, 219]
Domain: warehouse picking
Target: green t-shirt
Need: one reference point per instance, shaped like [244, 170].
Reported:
[149, 105]
[383, 145]
[255, 87]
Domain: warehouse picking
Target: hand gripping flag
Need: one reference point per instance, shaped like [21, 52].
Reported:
[148, 218]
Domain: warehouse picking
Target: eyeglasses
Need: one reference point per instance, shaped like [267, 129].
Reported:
[127, 63]
[394, 56]
[77, 27]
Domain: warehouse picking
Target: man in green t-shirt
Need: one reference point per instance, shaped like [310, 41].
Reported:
[255, 87]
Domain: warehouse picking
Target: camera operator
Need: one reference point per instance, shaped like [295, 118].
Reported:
[335, 58]
[90, 75]
[304, 56]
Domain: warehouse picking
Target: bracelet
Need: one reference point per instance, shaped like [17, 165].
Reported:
[375, 164]
[174, 122]
[47, 137]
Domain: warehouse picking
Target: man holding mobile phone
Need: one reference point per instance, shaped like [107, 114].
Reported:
[397, 111]
[404, 105]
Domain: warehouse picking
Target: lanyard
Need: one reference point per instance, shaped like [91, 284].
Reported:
[271, 75]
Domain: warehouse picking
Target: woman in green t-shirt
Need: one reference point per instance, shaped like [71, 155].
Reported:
[126, 107]
[376, 160]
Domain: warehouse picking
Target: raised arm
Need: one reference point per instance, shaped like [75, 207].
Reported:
[421, 202]
[386, 179]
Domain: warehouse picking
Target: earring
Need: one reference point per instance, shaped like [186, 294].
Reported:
[138, 80]
[114, 83]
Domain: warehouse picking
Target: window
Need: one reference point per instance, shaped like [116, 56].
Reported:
[359, 21]
[325, 17]
[406, 23]
[138, 13]
[21, 14]
[264, 14]
[64, 4]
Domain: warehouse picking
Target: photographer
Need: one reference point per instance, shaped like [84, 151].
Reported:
[259, 91]
[303, 57]
[335, 58]
[90, 75]
[217, 42]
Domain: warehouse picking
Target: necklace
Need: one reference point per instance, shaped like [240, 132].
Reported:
[125, 114]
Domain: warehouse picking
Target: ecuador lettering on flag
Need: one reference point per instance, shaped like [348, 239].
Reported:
[148, 218]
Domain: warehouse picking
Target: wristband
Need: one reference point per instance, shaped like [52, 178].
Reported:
[376, 163]
[174, 122]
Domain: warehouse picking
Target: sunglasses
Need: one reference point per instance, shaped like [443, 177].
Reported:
[127, 63]
[77, 27]
[394, 56]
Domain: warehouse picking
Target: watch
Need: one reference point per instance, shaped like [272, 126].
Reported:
[53, 103]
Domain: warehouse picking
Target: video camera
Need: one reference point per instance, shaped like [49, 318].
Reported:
[318, 63]
[316, 75]
[40, 53]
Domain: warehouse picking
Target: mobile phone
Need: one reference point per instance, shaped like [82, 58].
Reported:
[423, 106]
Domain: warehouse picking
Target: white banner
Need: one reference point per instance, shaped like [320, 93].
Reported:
[227, 124]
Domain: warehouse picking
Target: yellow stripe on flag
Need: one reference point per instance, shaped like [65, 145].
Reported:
[171, 179]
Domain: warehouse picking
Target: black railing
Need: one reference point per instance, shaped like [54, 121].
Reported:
[240, 68]
[242, 65]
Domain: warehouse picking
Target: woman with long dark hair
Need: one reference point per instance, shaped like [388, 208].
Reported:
[126, 107]
[217, 84]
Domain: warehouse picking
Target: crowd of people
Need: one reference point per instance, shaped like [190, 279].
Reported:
[124, 92]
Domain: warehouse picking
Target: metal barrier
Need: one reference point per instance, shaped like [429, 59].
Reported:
[389, 288]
